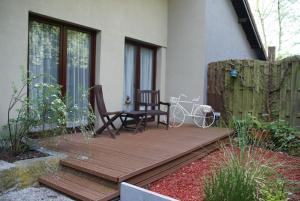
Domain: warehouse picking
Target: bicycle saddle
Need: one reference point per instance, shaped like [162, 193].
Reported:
[196, 99]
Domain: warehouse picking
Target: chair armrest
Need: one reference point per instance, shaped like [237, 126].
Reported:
[164, 103]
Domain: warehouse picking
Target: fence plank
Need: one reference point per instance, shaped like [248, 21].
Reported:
[260, 85]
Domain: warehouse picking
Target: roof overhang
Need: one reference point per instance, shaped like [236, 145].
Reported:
[246, 19]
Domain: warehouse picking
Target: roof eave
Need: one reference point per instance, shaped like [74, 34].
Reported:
[246, 19]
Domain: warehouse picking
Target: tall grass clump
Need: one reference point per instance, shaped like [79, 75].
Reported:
[245, 175]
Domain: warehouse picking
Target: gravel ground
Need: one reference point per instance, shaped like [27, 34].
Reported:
[34, 194]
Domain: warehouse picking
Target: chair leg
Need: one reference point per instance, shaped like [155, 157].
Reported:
[167, 121]
[100, 130]
[112, 134]
[112, 125]
[158, 120]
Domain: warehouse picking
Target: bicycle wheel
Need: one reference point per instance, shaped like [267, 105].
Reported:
[176, 116]
[203, 119]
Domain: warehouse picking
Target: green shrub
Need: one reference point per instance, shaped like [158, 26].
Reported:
[276, 135]
[46, 113]
[241, 177]
[283, 137]
[274, 192]
[245, 130]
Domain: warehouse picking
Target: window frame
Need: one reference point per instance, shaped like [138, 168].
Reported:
[62, 71]
[137, 81]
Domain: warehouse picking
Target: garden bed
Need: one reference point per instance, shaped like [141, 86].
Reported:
[9, 157]
[187, 184]
[25, 172]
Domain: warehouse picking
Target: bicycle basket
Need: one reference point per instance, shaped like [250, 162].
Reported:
[206, 108]
[173, 99]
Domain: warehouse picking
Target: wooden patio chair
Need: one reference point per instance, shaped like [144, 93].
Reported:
[107, 117]
[150, 100]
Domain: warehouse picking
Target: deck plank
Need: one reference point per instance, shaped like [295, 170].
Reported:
[129, 155]
[138, 159]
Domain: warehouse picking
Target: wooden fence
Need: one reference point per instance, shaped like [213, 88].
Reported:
[264, 89]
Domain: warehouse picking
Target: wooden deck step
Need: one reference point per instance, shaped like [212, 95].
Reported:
[118, 172]
[86, 186]
[85, 166]
[80, 186]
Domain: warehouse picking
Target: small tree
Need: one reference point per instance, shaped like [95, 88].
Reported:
[46, 111]
[33, 114]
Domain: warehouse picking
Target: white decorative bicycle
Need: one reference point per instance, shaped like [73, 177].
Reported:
[203, 115]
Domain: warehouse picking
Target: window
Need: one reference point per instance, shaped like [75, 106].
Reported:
[63, 54]
[139, 70]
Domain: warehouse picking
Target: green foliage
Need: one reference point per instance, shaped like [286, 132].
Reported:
[274, 192]
[244, 129]
[49, 108]
[27, 114]
[283, 137]
[243, 175]
[276, 135]
[46, 113]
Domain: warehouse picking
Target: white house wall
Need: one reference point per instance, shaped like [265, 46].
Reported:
[145, 20]
[200, 32]
[224, 36]
[185, 51]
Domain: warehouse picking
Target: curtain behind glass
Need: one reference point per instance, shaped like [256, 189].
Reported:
[78, 79]
[129, 79]
[43, 55]
[146, 69]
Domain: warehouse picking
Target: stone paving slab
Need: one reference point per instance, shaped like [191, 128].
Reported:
[34, 193]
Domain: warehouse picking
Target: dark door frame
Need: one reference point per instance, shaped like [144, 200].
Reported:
[137, 81]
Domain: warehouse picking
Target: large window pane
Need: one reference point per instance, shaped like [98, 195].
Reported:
[146, 69]
[78, 74]
[129, 76]
[43, 55]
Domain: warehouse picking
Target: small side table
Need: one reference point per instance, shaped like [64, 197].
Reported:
[139, 118]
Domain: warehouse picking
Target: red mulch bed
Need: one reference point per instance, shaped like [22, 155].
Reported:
[187, 183]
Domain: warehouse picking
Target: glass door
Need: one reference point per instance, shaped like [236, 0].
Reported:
[139, 72]
[78, 75]
[129, 77]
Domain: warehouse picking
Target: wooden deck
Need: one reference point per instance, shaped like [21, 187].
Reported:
[94, 168]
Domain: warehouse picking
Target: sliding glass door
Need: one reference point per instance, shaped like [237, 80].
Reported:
[139, 71]
[78, 75]
[146, 69]
[43, 55]
[130, 76]
[62, 54]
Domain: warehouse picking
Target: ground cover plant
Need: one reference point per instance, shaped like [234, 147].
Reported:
[275, 135]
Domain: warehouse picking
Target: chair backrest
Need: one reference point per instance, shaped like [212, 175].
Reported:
[148, 97]
[99, 100]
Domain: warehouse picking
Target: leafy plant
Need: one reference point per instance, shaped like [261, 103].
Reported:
[276, 135]
[26, 115]
[49, 106]
[44, 111]
[274, 192]
[283, 137]
[248, 130]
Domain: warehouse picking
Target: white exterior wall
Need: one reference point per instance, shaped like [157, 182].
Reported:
[200, 32]
[145, 20]
[185, 51]
[225, 37]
